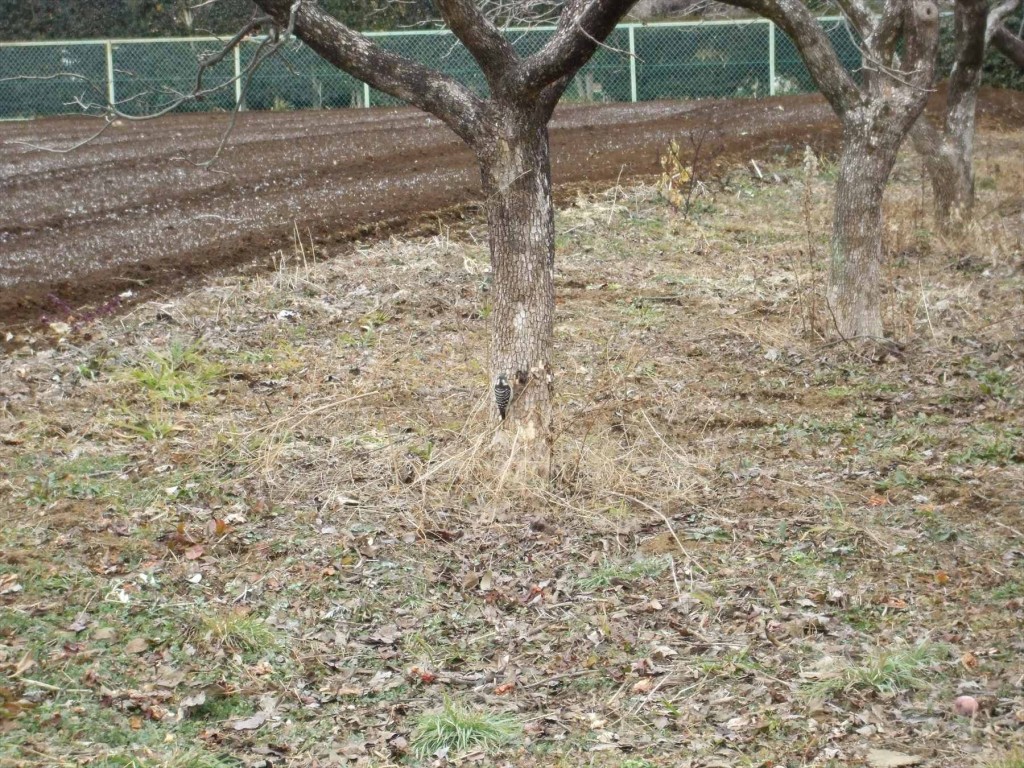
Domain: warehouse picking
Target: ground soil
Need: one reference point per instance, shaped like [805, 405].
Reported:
[131, 211]
[258, 524]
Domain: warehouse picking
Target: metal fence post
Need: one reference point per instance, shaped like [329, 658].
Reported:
[771, 58]
[366, 95]
[632, 61]
[110, 73]
[238, 74]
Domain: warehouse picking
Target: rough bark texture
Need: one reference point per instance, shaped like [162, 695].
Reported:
[509, 135]
[516, 171]
[857, 265]
[948, 163]
[894, 95]
[876, 117]
[949, 154]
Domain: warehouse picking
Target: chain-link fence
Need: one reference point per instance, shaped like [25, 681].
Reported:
[685, 60]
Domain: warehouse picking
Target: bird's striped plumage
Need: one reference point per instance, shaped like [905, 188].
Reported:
[502, 395]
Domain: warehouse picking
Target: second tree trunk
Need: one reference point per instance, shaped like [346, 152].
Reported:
[856, 272]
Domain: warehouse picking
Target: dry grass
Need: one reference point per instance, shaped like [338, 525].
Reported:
[307, 524]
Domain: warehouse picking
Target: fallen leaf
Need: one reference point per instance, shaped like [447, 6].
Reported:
[194, 552]
[218, 527]
[193, 701]
[169, 677]
[423, 675]
[9, 584]
[250, 723]
[137, 645]
[884, 758]
[399, 744]
[643, 685]
[24, 665]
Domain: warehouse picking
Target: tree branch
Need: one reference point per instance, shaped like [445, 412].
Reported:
[793, 18]
[860, 16]
[405, 79]
[1008, 44]
[921, 34]
[581, 26]
[998, 14]
[887, 30]
[482, 38]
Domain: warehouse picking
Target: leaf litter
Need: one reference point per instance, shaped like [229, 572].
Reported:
[760, 548]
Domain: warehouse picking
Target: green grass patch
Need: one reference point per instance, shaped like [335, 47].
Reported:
[999, 449]
[237, 632]
[1009, 591]
[189, 758]
[179, 375]
[1014, 759]
[889, 673]
[457, 730]
[612, 574]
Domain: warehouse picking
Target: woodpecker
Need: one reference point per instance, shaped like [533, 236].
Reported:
[502, 395]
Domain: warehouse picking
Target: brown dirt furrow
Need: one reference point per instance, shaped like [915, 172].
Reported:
[133, 210]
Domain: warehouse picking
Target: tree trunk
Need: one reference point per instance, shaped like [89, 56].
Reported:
[949, 154]
[947, 161]
[954, 198]
[855, 277]
[516, 170]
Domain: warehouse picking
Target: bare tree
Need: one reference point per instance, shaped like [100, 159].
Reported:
[508, 133]
[948, 151]
[876, 116]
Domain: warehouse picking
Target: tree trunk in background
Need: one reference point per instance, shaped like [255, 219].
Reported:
[516, 171]
[876, 114]
[948, 163]
[949, 154]
[856, 270]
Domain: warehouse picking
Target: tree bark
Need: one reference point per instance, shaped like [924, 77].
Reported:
[876, 117]
[856, 269]
[1008, 44]
[948, 163]
[948, 154]
[508, 133]
[516, 171]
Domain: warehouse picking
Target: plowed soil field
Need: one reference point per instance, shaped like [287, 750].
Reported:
[134, 211]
